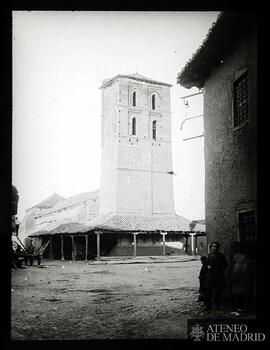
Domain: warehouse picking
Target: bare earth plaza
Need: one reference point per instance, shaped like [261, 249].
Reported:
[121, 261]
[113, 299]
[106, 300]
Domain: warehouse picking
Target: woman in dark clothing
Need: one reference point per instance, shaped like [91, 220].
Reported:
[216, 279]
[203, 279]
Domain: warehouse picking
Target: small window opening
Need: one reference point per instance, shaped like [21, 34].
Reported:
[134, 126]
[153, 101]
[134, 98]
[154, 129]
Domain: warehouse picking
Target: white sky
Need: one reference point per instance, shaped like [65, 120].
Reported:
[59, 61]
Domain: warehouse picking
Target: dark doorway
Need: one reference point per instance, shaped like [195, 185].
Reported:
[67, 247]
[107, 242]
[92, 246]
[80, 247]
[56, 247]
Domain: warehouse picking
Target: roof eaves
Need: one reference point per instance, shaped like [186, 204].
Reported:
[224, 33]
[188, 77]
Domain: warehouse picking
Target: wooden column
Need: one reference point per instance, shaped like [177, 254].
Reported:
[73, 250]
[62, 248]
[86, 247]
[135, 244]
[164, 242]
[196, 245]
[192, 244]
[98, 233]
[51, 248]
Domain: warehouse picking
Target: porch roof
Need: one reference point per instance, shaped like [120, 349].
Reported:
[126, 223]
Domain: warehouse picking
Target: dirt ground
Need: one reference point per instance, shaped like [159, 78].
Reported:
[107, 300]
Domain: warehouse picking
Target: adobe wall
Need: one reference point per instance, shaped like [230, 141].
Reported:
[230, 155]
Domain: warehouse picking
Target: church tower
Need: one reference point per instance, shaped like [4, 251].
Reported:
[137, 174]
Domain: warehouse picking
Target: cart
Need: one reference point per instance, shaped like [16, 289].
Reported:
[29, 254]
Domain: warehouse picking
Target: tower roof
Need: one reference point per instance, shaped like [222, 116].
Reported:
[136, 76]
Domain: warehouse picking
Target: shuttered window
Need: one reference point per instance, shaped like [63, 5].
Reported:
[241, 100]
[247, 226]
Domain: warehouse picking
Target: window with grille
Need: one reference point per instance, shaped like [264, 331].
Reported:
[241, 100]
[247, 226]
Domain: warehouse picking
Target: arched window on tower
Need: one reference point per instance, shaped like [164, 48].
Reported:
[154, 129]
[153, 102]
[134, 98]
[133, 126]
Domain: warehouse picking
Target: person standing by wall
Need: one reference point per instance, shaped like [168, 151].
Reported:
[216, 279]
[203, 275]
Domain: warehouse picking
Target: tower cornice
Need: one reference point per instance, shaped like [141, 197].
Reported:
[137, 77]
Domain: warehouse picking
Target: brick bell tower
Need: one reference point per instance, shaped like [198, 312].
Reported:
[137, 174]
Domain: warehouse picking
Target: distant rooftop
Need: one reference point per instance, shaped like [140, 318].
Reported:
[55, 202]
[136, 76]
[74, 200]
[48, 202]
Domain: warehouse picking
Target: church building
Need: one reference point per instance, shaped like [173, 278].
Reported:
[135, 213]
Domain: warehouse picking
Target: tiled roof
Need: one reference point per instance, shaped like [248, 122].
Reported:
[71, 227]
[145, 223]
[46, 227]
[125, 223]
[136, 76]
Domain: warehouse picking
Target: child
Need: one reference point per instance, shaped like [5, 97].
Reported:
[203, 279]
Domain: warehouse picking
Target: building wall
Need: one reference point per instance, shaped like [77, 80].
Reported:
[109, 150]
[230, 155]
[136, 169]
[38, 218]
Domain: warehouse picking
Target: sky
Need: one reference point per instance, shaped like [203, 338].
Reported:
[59, 61]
